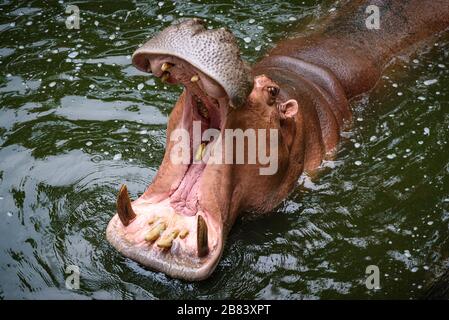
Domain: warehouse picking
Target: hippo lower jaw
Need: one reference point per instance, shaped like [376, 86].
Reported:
[175, 251]
[175, 231]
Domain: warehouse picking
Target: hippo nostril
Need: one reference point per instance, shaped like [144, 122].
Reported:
[124, 208]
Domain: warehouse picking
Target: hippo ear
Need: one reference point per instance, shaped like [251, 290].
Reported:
[288, 109]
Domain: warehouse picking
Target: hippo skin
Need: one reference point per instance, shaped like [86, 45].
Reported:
[301, 88]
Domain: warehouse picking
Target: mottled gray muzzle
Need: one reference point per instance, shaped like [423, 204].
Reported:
[215, 53]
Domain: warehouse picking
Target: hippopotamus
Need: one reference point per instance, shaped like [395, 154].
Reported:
[301, 89]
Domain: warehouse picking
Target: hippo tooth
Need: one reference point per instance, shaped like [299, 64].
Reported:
[200, 152]
[183, 233]
[166, 66]
[124, 208]
[195, 78]
[201, 237]
[166, 241]
[152, 220]
[165, 76]
[155, 232]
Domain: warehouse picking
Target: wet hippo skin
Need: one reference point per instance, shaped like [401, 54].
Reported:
[300, 89]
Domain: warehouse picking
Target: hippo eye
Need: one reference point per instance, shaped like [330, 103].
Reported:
[273, 91]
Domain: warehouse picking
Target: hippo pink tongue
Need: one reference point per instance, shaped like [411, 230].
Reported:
[168, 228]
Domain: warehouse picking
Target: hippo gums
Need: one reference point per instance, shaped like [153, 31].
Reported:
[296, 99]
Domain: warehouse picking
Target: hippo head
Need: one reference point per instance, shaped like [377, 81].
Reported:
[229, 150]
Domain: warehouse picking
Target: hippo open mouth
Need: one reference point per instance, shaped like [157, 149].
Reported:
[177, 225]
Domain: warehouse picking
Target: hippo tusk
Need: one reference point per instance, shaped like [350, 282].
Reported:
[194, 78]
[201, 237]
[124, 208]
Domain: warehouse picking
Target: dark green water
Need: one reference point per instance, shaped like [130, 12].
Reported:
[70, 104]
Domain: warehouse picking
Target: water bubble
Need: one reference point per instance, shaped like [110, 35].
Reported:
[407, 253]
[251, 21]
[73, 54]
[247, 39]
[9, 213]
[421, 98]
[140, 86]
[96, 23]
[426, 131]
[391, 156]
[430, 82]
[415, 61]
[143, 131]
[357, 145]
[292, 19]
[117, 157]
[112, 37]
[88, 143]
[400, 93]
[358, 163]
[430, 223]
[91, 86]
[373, 138]
[414, 269]
[52, 84]
[144, 140]
[258, 48]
